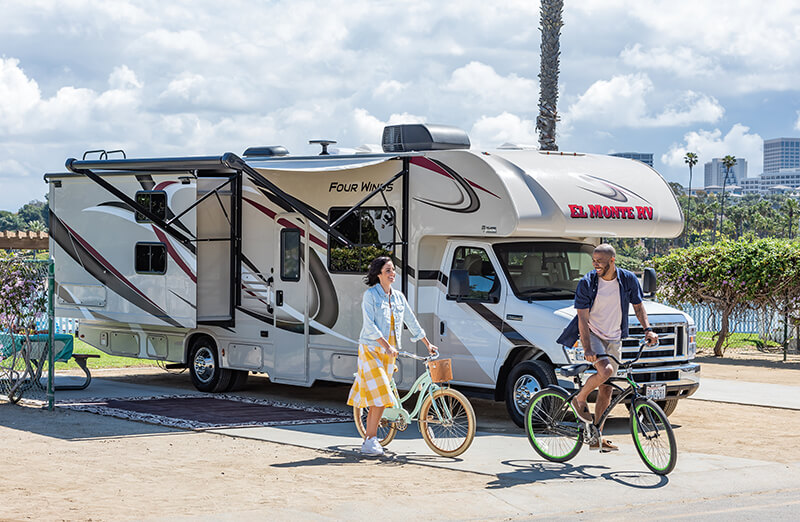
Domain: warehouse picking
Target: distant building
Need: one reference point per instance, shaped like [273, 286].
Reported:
[781, 153]
[750, 185]
[644, 157]
[715, 173]
[784, 178]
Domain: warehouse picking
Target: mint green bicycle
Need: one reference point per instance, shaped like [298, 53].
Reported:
[445, 417]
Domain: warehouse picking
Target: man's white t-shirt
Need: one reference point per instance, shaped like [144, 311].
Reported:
[605, 316]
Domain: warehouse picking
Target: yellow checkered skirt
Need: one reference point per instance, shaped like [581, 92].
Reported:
[372, 386]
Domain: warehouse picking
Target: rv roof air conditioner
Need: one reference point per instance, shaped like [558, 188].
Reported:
[271, 150]
[423, 136]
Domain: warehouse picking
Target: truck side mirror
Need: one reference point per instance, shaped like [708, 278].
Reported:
[458, 284]
[650, 281]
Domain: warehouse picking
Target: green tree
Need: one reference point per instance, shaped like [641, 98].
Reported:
[691, 160]
[728, 161]
[732, 277]
[550, 25]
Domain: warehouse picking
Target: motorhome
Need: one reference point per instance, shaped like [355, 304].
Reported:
[234, 264]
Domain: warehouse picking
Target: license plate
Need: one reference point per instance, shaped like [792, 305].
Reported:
[656, 392]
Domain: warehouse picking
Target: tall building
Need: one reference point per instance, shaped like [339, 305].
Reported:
[781, 153]
[715, 172]
[644, 157]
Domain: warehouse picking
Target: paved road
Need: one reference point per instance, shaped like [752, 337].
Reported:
[702, 485]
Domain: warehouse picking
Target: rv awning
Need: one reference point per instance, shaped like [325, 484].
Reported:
[319, 164]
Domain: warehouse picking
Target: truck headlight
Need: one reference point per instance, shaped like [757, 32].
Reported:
[575, 353]
[691, 349]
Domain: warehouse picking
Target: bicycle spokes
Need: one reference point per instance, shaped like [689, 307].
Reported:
[653, 437]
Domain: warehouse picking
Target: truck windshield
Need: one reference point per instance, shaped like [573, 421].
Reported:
[544, 271]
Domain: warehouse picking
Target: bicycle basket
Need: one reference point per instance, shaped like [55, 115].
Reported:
[441, 370]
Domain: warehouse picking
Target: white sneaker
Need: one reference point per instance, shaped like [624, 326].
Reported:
[372, 447]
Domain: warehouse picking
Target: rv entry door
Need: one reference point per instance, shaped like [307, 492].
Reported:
[290, 299]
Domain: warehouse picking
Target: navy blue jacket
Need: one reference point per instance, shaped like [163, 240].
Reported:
[630, 292]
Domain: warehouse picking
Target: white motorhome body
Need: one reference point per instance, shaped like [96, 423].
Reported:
[231, 265]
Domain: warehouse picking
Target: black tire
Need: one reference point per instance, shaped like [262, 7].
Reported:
[554, 431]
[523, 382]
[238, 380]
[653, 437]
[207, 375]
[668, 406]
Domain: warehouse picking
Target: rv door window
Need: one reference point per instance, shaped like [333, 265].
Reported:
[372, 232]
[154, 201]
[151, 258]
[290, 254]
[483, 282]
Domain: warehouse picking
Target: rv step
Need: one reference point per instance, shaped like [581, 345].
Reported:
[175, 366]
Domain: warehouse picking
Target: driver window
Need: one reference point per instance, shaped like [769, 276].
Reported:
[482, 275]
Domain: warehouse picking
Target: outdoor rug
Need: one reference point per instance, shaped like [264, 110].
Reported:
[206, 411]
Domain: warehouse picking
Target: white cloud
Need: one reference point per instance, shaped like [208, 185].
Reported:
[493, 131]
[389, 88]
[797, 123]
[622, 102]
[681, 61]
[707, 145]
[479, 84]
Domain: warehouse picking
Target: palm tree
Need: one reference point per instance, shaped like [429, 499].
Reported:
[550, 25]
[790, 209]
[728, 161]
[691, 160]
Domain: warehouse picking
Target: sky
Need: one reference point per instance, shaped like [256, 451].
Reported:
[201, 77]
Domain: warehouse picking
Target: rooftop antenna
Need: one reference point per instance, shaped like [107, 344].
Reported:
[324, 144]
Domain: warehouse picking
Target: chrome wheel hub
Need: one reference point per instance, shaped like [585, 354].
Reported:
[204, 364]
[524, 390]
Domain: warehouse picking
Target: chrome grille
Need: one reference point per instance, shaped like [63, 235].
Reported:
[671, 340]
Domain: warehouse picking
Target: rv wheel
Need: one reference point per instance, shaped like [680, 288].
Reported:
[207, 375]
[524, 380]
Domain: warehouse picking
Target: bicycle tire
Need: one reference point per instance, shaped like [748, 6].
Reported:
[555, 432]
[13, 376]
[653, 437]
[447, 437]
[386, 430]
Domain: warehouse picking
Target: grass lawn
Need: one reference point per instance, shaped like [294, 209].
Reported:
[105, 360]
[735, 340]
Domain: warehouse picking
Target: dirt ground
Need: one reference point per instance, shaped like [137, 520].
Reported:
[70, 465]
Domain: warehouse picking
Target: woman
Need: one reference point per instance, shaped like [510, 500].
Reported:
[385, 310]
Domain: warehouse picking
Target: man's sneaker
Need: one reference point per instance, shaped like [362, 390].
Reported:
[372, 447]
[607, 446]
[582, 413]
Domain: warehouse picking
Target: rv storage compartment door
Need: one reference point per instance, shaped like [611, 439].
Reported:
[214, 274]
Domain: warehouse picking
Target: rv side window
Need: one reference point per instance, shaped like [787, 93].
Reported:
[372, 232]
[151, 258]
[290, 254]
[153, 200]
[483, 282]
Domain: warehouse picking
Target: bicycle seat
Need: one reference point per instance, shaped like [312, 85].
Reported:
[572, 370]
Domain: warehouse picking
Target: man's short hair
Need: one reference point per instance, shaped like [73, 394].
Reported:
[605, 248]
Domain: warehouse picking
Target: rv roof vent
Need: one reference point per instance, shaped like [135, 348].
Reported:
[423, 136]
[271, 150]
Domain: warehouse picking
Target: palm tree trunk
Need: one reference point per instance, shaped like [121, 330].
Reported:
[550, 26]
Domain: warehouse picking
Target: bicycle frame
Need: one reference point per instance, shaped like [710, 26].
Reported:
[425, 386]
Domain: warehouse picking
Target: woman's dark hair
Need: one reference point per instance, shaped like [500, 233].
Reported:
[374, 269]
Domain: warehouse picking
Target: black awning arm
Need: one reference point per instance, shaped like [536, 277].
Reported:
[233, 161]
[193, 205]
[366, 198]
[169, 229]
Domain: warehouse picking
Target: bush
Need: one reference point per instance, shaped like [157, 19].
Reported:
[733, 277]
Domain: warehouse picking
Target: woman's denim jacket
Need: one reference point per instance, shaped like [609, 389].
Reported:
[377, 319]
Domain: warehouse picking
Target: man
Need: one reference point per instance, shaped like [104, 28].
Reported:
[601, 301]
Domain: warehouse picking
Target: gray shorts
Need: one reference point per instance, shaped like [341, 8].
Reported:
[600, 346]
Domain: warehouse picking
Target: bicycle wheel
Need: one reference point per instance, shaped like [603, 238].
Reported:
[14, 376]
[386, 430]
[552, 426]
[447, 422]
[653, 436]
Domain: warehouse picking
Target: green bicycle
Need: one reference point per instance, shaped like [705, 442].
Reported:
[445, 417]
[556, 432]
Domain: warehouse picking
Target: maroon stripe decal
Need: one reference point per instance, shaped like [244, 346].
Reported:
[174, 254]
[425, 163]
[108, 265]
[285, 223]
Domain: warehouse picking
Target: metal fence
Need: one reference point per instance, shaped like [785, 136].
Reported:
[26, 354]
[763, 328]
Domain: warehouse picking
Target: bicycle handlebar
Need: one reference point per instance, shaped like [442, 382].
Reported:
[621, 364]
[418, 357]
